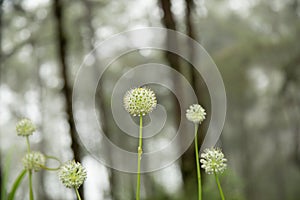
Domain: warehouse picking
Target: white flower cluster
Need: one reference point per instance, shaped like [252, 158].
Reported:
[34, 160]
[195, 114]
[139, 101]
[25, 127]
[213, 161]
[72, 174]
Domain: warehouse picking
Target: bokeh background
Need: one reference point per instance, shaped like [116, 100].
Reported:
[255, 44]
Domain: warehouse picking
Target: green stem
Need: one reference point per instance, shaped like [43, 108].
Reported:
[140, 151]
[29, 172]
[219, 186]
[30, 185]
[16, 184]
[198, 163]
[51, 169]
[28, 144]
[77, 194]
[48, 168]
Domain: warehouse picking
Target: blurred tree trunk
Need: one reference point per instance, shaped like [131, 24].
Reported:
[100, 99]
[292, 75]
[198, 85]
[246, 157]
[42, 144]
[291, 71]
[289, 101]
[1, 13]
[1, 29]
[1, 179]
[281, 181]
[66, 90]
[171, 40]
[188, 159]
[189, 7]
[187, 165]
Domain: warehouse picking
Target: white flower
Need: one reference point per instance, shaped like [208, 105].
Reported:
[34, 160]
[195, 114]
[139, 101]
[72, 174]
[213, 161]
[25, 127]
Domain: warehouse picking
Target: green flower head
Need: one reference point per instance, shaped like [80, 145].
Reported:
[72, 174]
[34, 160]
[195, 114]
[25, 127]
[139, 101]
[213, 161]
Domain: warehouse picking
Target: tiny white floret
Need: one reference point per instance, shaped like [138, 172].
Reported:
[195, 114]
[139, 101]
[213, 161]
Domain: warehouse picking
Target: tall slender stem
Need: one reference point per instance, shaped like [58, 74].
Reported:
[140, 151]
[28, 144]
[77, 194]
[30, 185]
[197, 163]
[29, 172]
[219, 186]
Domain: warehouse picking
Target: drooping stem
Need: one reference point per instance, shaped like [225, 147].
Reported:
[28, 144]
[219, 186]
[30, 185]
[51, 169]
[77, 194]
[140, 151]
[198, 163]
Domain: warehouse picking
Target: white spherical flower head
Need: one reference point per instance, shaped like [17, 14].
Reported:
[72, 174]
[213, 161]
[34, 160]
[195, 114]
[25, 127]
[139, 101]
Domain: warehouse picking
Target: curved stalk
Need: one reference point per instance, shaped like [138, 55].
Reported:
[16, 184]
[50, 168]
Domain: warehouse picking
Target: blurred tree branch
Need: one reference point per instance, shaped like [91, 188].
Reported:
[33, 36]
[16, 48]
[67, 89]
